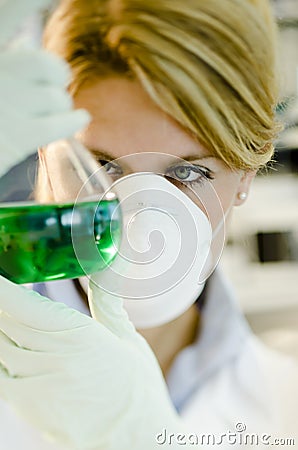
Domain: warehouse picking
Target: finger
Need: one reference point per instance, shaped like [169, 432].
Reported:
[24, 336]
[36, 311]
[8, 355]
[38, 340]
[22, 362]
[35, 65]
[108, 310]
[62, 125]
[14, 12]
[35, 133]
[39, 131]
[35, 100]
[3, 372]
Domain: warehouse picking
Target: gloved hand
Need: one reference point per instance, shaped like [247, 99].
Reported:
[35, 108]
[89, 384]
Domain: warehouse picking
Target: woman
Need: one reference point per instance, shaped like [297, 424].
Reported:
[195, 80]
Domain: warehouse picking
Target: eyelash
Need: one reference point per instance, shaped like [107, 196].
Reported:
[203, 173]
[105, 164]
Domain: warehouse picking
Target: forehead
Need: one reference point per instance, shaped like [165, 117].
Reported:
[125, 120]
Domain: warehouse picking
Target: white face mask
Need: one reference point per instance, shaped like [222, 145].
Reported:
[165, 244]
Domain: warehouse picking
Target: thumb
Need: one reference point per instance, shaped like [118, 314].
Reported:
[108, 310]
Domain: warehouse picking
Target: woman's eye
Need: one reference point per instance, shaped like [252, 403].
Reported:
[190, 173]
[112, 169]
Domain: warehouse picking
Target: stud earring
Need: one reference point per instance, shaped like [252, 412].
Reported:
[242, 195]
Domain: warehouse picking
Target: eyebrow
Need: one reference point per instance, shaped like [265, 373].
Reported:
[107, 156]
[103, 154]
[196, 158]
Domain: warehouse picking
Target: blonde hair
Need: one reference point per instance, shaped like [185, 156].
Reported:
[210, 64]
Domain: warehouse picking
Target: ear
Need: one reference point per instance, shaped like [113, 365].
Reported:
[243, 187]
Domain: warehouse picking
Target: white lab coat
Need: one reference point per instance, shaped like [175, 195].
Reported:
[227, 377]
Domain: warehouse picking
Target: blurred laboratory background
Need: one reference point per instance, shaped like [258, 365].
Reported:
[261, 258]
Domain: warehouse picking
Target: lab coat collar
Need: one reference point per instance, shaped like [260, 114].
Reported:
[220, 339]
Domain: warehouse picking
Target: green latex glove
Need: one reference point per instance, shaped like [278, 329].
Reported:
[88, 384]
[35, 108]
